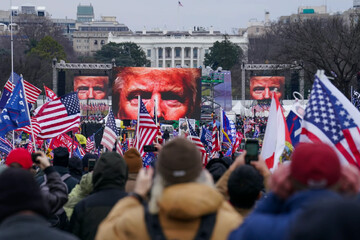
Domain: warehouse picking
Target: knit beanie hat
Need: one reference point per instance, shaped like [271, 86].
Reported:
[133, 160]
[20, 156]
[179, 161]
[19, 192]
[61, 157]
[315, 165]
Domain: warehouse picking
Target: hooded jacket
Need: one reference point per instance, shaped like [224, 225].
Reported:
[109, 178]
[181, 208]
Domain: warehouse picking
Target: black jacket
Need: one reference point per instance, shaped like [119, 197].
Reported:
[109, 178]
[30, 227]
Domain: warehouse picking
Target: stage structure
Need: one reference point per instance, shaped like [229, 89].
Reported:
[253, 67]
[62, 65]
[208, 104]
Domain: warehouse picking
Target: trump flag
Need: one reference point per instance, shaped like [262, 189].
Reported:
[331, 118]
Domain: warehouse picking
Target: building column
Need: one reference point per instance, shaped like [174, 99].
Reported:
[182, 56]
[172, 57]
[191, 57]
[198, 57]
[163, 56]
[156, 57]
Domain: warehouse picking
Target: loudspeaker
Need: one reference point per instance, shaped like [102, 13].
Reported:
[61, 83]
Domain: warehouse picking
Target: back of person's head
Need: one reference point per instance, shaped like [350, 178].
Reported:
[328, 220]
[110, 171]
[314, 165]
[61, 157]
[85, 160]
[179, 161]
[217, 167]
[19, 157]
[19, 192]
[133, 160]
[244, 186]
[75, 165]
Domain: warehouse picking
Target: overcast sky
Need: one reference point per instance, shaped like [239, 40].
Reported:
[223, 15]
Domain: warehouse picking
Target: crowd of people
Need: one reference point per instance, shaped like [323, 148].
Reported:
[111, 196]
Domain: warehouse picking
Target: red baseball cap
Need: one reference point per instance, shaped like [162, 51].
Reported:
[315, 165]
[20, 156]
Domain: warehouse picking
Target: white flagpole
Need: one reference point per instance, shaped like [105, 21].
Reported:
[137, 124]
[28, 113]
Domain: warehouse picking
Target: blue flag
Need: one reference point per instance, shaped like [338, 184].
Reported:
[294, 125]
[6, 93]
[5, 146]
[14, 115]
[206, 138]
[227, 128]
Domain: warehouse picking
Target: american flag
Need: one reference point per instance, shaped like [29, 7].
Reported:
[331, 118]
[59, 116]
[119, 148]
[5, 145]
[237, 143]
[35, 126]
[196, 140]
[110, 132]
[32, 92]
[215, 144]
[147, 129]
[90, 143]
[30, 146]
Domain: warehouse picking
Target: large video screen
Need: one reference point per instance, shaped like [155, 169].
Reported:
[174, 92]
[262, 86]
[91, 87]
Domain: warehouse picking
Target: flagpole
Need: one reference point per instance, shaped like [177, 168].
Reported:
[12, 59]
[137, 124]
[156, 120]
[221, 125]
[28, 113]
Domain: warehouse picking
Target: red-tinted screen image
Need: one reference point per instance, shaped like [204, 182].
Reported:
[91, 87]
[174, 92]
[261, 87]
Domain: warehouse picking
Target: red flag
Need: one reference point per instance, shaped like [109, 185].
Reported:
[59, 116]
[50, 95]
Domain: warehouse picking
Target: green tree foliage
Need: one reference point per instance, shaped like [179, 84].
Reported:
[126, 54]
[47, 49]
[223, 54]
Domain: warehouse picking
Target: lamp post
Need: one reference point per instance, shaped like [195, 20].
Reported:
[54, 82]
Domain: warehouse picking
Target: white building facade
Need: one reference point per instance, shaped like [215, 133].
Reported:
[178, 48]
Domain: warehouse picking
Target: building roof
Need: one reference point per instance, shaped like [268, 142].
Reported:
[85, 10]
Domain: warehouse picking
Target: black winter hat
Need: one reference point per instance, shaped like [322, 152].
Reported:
[217, 167]
[61, 157]
[244, 185]
[19, 192]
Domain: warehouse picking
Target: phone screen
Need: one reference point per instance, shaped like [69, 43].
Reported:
[252, 150]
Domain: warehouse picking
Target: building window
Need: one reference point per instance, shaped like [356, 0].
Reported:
[195, 52]
[102, 42]
[177, 52]
[148, 53]
[160, 52]
[96, 42]
[195, 65]
[160, 64]
[168, 53]
[187, 52]
[206, 51]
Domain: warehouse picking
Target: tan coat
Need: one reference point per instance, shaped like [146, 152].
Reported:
[181, 208]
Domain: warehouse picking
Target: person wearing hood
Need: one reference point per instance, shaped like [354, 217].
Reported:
[184, 203]
[109, 179]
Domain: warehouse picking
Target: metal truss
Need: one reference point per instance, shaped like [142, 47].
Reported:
[79, 66]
